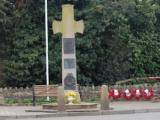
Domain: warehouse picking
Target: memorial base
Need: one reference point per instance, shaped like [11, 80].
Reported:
[72, 106]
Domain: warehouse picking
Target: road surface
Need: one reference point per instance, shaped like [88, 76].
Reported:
[138, 116]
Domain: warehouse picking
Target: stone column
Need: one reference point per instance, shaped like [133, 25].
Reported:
[104, 98]
[61, 101]
[1, 96]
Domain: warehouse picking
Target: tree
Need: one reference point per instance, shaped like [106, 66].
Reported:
[145, 46]
[3, 23]
[26, 63]
[121, 40]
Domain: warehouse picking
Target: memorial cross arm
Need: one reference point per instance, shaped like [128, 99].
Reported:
[68, 26]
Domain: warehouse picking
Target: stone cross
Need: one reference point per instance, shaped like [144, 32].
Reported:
[68, 27]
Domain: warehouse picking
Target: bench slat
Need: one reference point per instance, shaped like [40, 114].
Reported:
[41, 90]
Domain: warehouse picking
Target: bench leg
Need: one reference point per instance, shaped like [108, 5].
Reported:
[34, 99]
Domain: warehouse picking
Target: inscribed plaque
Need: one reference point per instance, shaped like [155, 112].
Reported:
[69, 63]
[69, 82]
[68, 45]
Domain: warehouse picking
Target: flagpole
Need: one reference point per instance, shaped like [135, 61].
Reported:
[46, 35]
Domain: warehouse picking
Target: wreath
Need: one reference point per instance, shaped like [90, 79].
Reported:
[128, 94]
[138, 93]
[148, 93]
[115, 93]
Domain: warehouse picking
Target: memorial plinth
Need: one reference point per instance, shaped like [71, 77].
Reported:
[81, 106]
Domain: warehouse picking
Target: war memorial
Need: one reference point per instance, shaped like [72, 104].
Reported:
[68, 98]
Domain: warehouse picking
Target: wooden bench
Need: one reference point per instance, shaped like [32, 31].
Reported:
[43, 90]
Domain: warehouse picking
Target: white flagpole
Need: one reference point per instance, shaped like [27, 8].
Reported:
[46, 34]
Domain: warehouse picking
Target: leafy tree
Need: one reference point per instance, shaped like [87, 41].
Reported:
[3, 7]
[26, 63]
[145, 46]
[5, 33]
[121, 40]
[4, 21]
[103, 50]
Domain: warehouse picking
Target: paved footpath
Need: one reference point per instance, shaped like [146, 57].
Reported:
[20, 112]
[14, 112]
